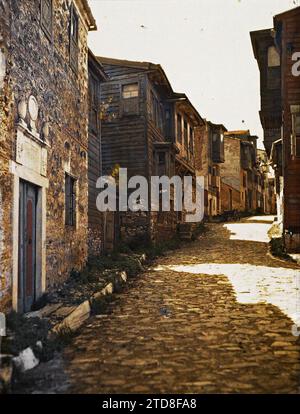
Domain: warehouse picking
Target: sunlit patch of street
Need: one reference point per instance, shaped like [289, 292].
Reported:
[254, 284]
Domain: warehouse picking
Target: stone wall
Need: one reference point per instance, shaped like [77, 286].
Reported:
[41, 68]
[6, 145]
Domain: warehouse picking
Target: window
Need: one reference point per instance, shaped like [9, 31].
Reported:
[273, 57]
[70, 200]
[47, 17]
[130, 99]
[191, 140]
[156, 112]
[130, 91]
[274, 71]
[295, 138]
[179, 128]
[74, 35]
[185, 133]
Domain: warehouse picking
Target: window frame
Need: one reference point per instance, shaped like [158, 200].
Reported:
[70, 200]
[186, 134]
[127, 85]
[74, 40]
[130, 106]
[295, 135]
[192, 139]
[179, 128]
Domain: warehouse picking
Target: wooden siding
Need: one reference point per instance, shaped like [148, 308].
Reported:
[290, 96]
[270, 88]
[123, 136]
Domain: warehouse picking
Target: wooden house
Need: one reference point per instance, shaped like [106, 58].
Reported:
[148, 129]
[277, 52]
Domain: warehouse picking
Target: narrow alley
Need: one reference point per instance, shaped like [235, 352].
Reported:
[215, 316]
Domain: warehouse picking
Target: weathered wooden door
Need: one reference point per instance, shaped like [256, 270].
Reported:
[27, 246]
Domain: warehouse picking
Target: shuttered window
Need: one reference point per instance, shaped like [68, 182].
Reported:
[179, 128]
[191, 140]
[295, 136]
[186, 139]
[130, 91]
[47, 17]
[74, 36]
[70, 202]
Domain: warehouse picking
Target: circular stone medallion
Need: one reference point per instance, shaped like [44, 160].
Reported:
[33, 108]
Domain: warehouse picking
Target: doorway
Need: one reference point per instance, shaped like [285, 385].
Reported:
[27, 283]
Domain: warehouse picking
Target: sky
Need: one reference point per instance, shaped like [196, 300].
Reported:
[204, 47]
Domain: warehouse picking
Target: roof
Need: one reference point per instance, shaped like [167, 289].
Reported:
[288, 13]
[129, 63]
[216, 125]
[90, 20]
[96, 65]
[149, 66]
[182, 97]
[238, 132]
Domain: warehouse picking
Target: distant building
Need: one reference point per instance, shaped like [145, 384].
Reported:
[209, 157]
[149, 129]
[238, 172]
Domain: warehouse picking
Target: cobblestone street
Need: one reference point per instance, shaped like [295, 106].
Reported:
[214, 317]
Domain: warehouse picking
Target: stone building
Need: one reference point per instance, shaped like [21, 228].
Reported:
[239, 180]
[277, 54]
[209, 154]
[43, 145]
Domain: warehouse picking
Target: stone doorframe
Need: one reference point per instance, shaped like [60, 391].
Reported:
[30, 166]
[21, 172]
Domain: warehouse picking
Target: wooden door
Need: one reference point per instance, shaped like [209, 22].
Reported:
[27, 246]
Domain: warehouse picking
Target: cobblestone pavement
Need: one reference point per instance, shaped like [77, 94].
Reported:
[213, 317]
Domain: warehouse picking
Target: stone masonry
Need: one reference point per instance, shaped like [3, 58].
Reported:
[37, 71]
